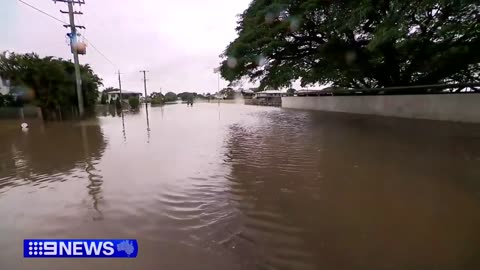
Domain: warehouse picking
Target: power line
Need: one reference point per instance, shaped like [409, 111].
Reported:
[41, 11]
[99, 52]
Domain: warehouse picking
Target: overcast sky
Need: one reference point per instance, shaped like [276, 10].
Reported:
[177, 41]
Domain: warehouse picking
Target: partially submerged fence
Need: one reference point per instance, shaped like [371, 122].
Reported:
[21, 113]
[466, 88]
[453, 102]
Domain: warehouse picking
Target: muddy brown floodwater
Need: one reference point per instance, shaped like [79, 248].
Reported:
[242, 187]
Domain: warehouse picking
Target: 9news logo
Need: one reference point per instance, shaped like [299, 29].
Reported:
[80, 248]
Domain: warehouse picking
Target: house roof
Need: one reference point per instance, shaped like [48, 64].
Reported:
[124, 92]
[273, 92]
[248, 91]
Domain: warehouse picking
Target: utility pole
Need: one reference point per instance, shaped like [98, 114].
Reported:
[146, 106]
[217, 70]
[120, 86]
[145, 83]
[73, 42]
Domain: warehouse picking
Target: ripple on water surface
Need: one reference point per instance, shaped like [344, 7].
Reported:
[229, 187]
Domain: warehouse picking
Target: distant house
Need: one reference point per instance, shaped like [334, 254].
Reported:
[269, 97]
[114, 95]
[248, 93]
[219, 96]
[270, 93]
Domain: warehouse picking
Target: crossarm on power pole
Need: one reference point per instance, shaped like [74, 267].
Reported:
[79, 2]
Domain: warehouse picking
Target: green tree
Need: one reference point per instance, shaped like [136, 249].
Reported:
[134, 103]
[228, 93]
[103, 100]
[52, 81]
[118, 104]
[291, 92]
[187, 96]
[170, 96]
[157, 98]
[355, 43]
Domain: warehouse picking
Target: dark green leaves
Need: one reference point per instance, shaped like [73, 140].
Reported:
[356, 43]
[51, 79]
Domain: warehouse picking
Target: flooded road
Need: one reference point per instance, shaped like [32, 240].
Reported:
[243, 187]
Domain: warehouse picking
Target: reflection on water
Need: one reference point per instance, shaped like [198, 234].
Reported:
[244, 187]
[148, 123]
[41, 153]
[123, 128]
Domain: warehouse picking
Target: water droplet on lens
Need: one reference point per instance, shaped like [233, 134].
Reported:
[294, 24]
[283, 15]
[269, 17]
[231, 62]
[261, 60]
[350, 57]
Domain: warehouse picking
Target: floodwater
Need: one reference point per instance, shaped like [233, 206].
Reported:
[243, 187]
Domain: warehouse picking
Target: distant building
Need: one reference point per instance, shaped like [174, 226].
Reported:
[125, 95]
[270, 93]
[269, 98]
[219, 96]
[248, 93]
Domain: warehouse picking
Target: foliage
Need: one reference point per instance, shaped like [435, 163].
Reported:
[134, 103]
[291, 92]
[156, 94]
[157, 98]
[157, 101]
[361, 43]
[9, 101]
[51, 80]
[228, 93]
[118, 104]
[103, 100]
[187, 96]
[170, 96]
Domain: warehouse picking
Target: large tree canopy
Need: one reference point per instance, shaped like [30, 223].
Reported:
[52, 80]
[356, 43]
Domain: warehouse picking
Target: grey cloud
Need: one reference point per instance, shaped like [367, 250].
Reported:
[177, 41]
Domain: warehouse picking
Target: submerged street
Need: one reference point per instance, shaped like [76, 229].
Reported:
[226, 186]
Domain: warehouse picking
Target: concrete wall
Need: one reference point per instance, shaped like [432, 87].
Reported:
[449, 107]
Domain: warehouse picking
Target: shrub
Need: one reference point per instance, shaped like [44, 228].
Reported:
[103, 101]
[157, 100]
[118, 104]
[134, 103]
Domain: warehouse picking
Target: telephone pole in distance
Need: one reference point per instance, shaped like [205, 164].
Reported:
[145, 83]
[120, 86]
